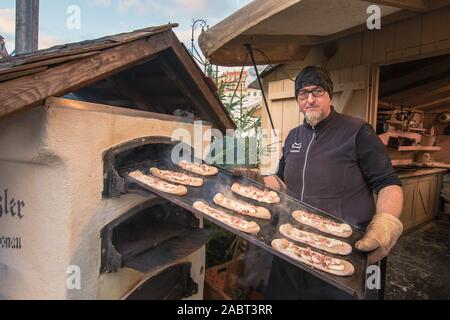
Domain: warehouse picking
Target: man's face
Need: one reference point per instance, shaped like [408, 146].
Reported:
[314, 103]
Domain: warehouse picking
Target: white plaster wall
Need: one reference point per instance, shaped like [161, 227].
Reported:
[51, 157]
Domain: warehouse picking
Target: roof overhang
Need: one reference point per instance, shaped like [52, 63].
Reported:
[282, 31]
[148, 69]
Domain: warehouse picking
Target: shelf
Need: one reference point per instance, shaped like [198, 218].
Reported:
[419, 148]
[396, 122]
[417, 129]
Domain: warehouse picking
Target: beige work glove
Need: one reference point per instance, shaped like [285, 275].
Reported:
[275, 183]
[381, 235]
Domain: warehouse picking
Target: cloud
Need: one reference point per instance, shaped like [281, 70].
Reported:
[7, 20]
[46, 41]
[138, 6]
[191, 6]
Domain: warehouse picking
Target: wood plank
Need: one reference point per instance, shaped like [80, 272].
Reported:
[384, 137]
[14, 75]
[408, 34]
[215, 108]
[175, 76]
[350, 50]
[255, 12]
[437, 165]
[418, 100]
[423, 199]
[416, 76]
[432, 103]
[407, 215]
[48, 62]
[418, 148]
[436, 26]
[374, 86]
[346, 86]
[422, 172]
[423, 91]
[384, 41]
[31, 90]
[141, 33]
[367, 47]
[280, 90]
[62, 51]
[438, 108]
[413, 5]
[402, 162]
[83, 46]
[290, 117]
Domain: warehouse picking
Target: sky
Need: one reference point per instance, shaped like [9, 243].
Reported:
[59, 23]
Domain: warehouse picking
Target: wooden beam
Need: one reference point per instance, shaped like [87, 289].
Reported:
[216, 109]
[46, 63]
[9, 76]
[350, 86]
[175, 76]
[127, 90]
[234, 52]
[433, 103]
[424, 91]
[419, 100]
[418, 148]
[236, 24]
[416, 76]
[31, 90]
[438, 109]
[412, 5]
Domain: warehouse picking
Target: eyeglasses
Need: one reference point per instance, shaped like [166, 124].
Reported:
[316, 92]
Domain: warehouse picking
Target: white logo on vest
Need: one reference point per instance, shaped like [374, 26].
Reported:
[296, 147]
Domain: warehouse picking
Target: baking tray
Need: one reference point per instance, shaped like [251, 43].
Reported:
[281, 214]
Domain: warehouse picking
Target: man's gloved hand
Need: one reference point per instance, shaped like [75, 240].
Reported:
[381, 235]
[275, 183]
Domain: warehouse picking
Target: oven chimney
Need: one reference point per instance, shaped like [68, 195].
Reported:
[27, 26]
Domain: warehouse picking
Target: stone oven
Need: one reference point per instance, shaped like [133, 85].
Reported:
[70, 118]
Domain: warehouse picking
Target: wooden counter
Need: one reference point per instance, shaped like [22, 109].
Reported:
[421, 196]
[421, 172]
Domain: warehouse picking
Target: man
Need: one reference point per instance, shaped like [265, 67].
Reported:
[335, 162]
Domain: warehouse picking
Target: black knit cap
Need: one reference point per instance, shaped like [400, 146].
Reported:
[314, 76]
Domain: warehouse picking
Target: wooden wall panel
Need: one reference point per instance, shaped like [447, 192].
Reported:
[384, 41]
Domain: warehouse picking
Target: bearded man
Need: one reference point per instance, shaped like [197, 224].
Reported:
[336, 163]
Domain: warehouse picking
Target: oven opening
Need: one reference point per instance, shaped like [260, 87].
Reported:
[132, 155]
[173, 283]
[154, 234]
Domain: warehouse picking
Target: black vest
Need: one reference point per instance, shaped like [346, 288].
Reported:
[321, 168]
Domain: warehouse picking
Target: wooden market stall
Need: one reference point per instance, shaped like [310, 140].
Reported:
[407, 56]
[395, 75]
